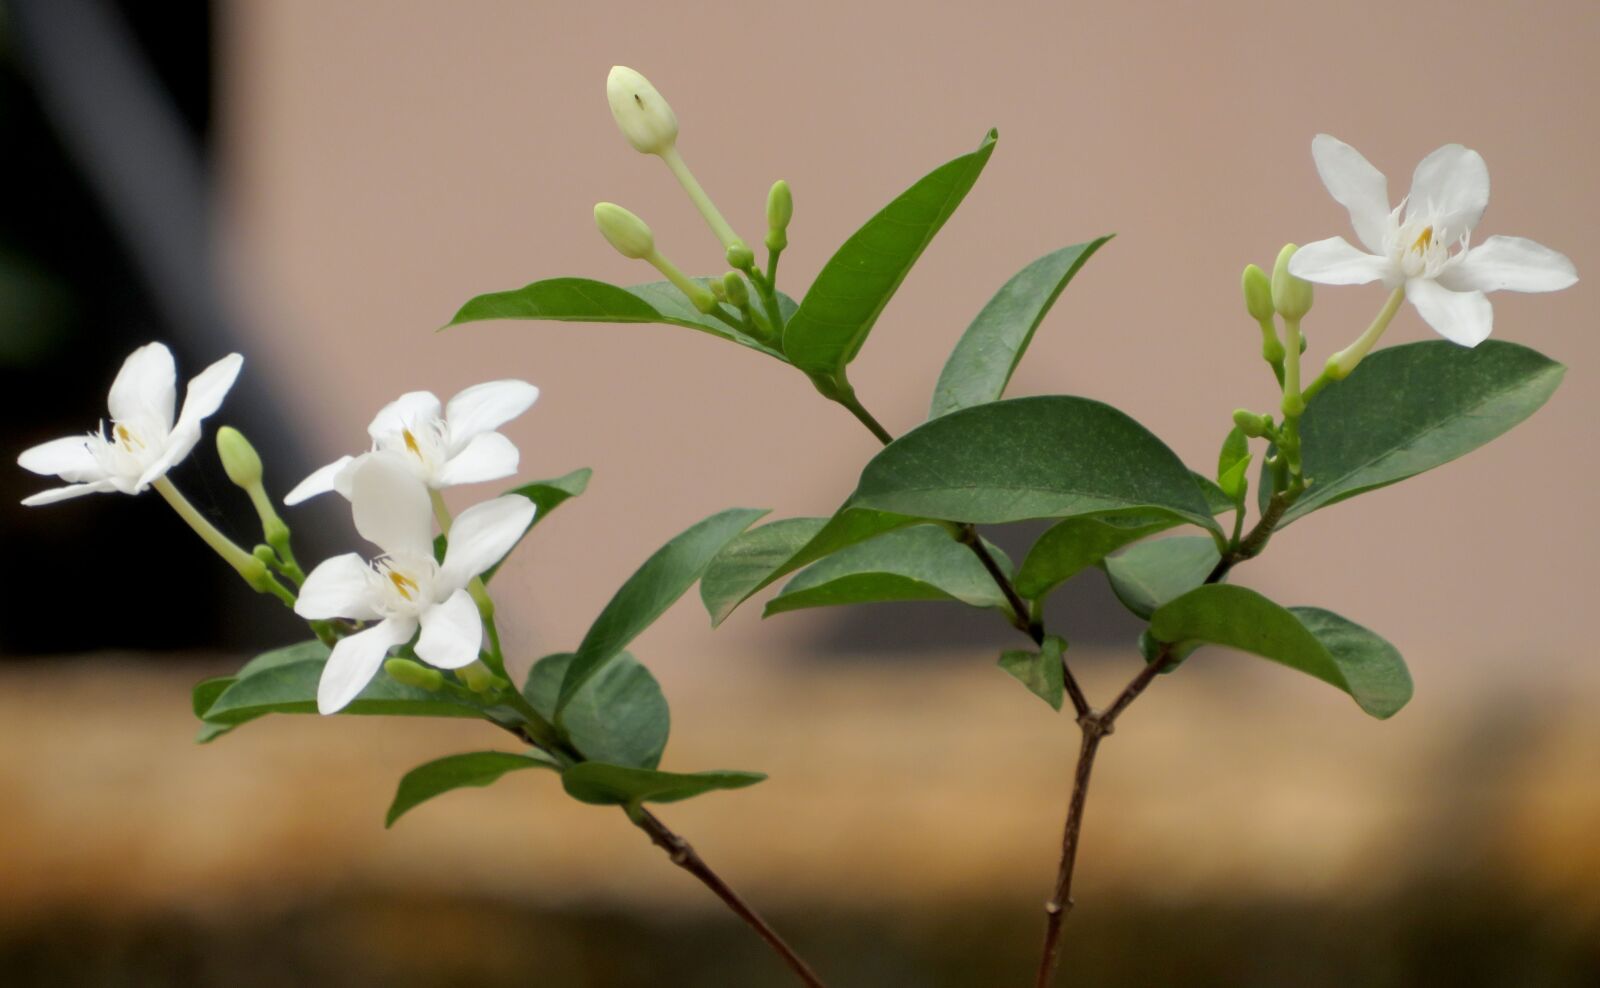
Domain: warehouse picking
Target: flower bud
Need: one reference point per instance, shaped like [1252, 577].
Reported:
[1257, 293]
[1251, 424]
[735, 289]
[643, 116]
[740, 256]
[239, 459]
[780, 210]
[414, 674]
[625, 231]
[1291, 296]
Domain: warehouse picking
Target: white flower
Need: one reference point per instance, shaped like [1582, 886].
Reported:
[145, 441]
[643, 116]
[1424, 244]
[459, 446]
[405, 588]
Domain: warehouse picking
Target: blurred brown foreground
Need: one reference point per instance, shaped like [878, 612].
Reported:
[906, 837]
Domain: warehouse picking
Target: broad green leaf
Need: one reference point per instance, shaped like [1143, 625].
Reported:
[921, 563]
[647, 594]
[619, 716]
[1232, 462]
[1373, 667]
[849, 526]
[1411, 408]
[1073, 545]
[1022, 458]
[987, 354]
[285, 682]
[546, 496]
[607, 785]
[1221, 614]
[476, 768]
[1147, 576]
[585, 300]
[850, 292]
[746, 563]
[1041, 672]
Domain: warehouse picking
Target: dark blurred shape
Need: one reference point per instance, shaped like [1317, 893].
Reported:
[106, 243]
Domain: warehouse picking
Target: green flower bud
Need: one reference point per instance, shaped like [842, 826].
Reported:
[643, 116]
[737, 291]
[740, 256]
[414, 674]
[1251, 424]
[239, 459]
[717, 291]
[780, 210]
[624, 231]
[1291, 296]
[1257, 293]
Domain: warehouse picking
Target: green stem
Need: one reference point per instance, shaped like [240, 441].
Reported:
[1342, 363]
[252, 570]
[847, 398]
[697, 195]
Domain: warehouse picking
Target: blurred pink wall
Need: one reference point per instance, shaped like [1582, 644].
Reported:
[387, 160]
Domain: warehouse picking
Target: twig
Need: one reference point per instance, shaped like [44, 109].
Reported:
[1096, 724]
[685, 857]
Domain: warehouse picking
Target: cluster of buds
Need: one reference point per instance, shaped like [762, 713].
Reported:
[650, 126]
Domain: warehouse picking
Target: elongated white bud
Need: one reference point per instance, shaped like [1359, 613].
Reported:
[644, 117]
[625, 231]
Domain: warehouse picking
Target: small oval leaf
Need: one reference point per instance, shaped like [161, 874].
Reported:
[609, 785]
[476, 768]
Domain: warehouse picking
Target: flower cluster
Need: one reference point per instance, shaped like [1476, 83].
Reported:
[417, 448]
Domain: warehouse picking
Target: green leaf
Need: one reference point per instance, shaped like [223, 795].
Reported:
[1240, 618]
[546, 496]
[1073, 545]
[619, 716]
[921, 563]
[647, 594]
[1022, 458]
[1373, 667]
[1232, 462]
[477, 768]
[608, 785]
[1411, 408]
[1217, 500]
[1041, 672]
[987, 354]
[284, 681]
[585, 300]
[748, 562]
[1149, 575]
[849, 526]
[850, 292]
[206, 691]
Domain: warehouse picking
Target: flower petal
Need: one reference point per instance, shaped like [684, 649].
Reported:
[402, 413]
[482, 535]
[321, 481]
[203, 396]
[391, 506]
[1356, 185]
[1336, 262]
[70, 459]
[340, 587]
[487, 456]
[356, 659]
[146, 388]
[1451, 189]
[55, 494]
[1510, 264]
[1460, 317]
[452, 633]
[484, 407]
